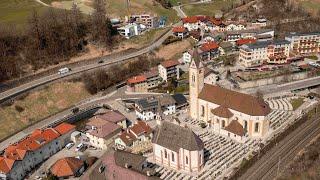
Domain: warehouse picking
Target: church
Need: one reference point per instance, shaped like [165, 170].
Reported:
[226, 112]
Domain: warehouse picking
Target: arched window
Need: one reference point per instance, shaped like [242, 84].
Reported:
[223, 123]
[245, 125]
[165, 154]
[172, 157]
[256, 127]
[187, 160]
[202, 110]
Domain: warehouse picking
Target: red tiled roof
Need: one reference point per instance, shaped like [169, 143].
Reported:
[209, 46]
[245, 41]
[222, 111]
[66, 167]
[235, 127]
[103, 128]
[112, 116]
[192, 19]
[127, 137]
[170, 63]
[12, 152]
[64, 128]
[237, 101]
[141, 127]
[136, 79]
[6, 165]
[179, 29]
[215, 21]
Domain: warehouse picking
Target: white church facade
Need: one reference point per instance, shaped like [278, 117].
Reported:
[226, 112]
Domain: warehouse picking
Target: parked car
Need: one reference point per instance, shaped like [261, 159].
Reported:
[69, 145]
[79, 146]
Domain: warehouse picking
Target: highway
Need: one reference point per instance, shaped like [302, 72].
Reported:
[108, 60]
[275, 160]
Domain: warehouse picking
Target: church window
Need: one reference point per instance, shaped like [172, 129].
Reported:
[256, 127]
[172, 157]
[165, 154]
[223, 123]
[193, 78]
[202, 110]
[187, 160]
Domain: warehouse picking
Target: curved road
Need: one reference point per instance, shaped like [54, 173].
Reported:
[53, 77]
[275, 160]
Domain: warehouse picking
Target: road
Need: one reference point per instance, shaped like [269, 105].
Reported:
[86, 104]
[295, 85]
[275, 160]
[109, 60]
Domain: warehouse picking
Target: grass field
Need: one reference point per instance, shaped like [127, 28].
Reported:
[207, 9]
[18, 11]
[40, 104]
[296, 103]
[312, 5]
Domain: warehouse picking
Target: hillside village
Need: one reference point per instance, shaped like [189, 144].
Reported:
[212, 112]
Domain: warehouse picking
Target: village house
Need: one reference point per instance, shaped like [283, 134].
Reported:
[101, 133]
[148, 108]
[153, 78]
[137, 84]
[130, 30]
[209, 51]
[169, 69]
[235, 26]
[138, 132]
[304, 43]
[68, 167]
[224, 109]
[121, 165]
[178, 148]
[22, 157]
[113, 116]
[273, 52]
[180, 31]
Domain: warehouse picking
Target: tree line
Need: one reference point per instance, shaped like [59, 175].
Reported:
[50, 38]
[102, 79]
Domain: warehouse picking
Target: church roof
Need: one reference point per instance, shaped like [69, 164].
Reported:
[237, 101]
[174, 137]
[235, 127]
[222, 111]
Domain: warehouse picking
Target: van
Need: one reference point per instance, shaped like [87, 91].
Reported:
[80, 146]
[64, 70]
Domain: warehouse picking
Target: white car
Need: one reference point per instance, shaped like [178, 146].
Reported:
[69, 145]
[80, 146]
[64, 70]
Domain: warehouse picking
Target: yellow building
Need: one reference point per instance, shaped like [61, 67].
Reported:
[227, 112]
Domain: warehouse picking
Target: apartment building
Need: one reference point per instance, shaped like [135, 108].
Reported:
[275, 52]
[22, 157]
[169, 69]
[146, 19]
[304, 43]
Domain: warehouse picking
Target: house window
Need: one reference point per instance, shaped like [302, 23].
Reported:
[165, 154]
[172, 157]
[187, 160]
[256, 127]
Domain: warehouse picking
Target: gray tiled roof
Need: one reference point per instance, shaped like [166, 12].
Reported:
[302, 34]
[174, 137]
[262, 44]
[154, 102]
